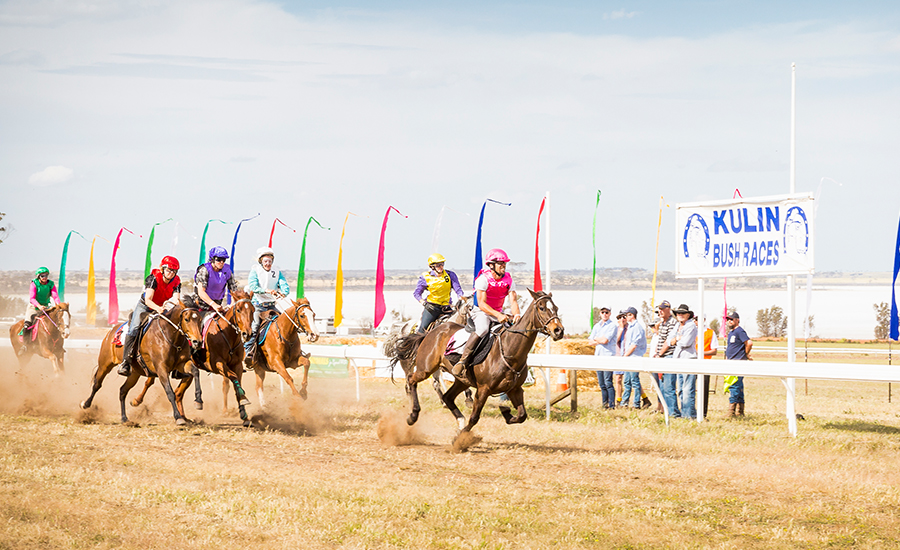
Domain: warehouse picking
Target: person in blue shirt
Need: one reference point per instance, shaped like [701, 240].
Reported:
[738, 349]
[603, 338]
[635, 346]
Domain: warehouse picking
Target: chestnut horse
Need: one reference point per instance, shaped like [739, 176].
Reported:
[281, 349]
[504, 370]
[52, 327]
[166, 347]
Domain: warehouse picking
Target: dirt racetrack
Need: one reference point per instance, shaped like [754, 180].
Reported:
[331, 472]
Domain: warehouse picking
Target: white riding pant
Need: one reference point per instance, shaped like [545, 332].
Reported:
[482, 321]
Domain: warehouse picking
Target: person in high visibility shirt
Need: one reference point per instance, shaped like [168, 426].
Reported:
[438, 283]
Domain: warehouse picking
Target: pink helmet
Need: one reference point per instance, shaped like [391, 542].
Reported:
[496, 255]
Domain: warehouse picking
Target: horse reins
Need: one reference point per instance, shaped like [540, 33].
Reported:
[542, 330]
[176, 327]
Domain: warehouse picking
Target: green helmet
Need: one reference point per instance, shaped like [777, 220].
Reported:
[40, 270]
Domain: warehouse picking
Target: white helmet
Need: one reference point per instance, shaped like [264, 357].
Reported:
[264, 251]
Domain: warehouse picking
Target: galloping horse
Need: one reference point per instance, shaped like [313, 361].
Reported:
[166, 347]
[460, 316]
[281, 349]
[503, 370]
[50, 328]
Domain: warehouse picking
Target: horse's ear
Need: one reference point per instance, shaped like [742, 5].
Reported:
[534, 294]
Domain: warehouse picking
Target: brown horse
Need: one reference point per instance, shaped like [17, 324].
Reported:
[281, 349]
[503, 370]
[225, 351]
[51, 327]
[166, 347]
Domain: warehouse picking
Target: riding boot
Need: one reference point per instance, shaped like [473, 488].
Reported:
[127, 355]
[250, 354]
[463, 362]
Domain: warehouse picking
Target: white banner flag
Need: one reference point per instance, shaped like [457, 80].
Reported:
[757, 236]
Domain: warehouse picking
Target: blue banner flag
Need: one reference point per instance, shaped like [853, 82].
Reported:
[895, 322]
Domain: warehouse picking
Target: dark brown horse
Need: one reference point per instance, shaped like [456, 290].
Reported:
[50, 328]
[503, 370]
[166, 347]
[281, 349]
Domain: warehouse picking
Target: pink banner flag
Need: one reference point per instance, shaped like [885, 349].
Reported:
[272, 233]
[113, 294]
[538, 286]
[380, 308]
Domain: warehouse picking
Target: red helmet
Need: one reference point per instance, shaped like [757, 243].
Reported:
[171, 262]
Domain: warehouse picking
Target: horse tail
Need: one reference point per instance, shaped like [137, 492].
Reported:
[402, 350]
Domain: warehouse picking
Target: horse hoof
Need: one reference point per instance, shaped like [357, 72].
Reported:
[180, 422]
[303, 394]
[248, 424]
[244, 402]
[198, 405]
[84, 404]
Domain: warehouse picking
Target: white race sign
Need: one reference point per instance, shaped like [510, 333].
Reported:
[758, 236]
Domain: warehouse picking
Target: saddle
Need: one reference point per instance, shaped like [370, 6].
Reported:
[267, 318]
[482, 348]
[119, 337]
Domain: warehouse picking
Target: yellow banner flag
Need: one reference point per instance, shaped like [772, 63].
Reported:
[339, 282]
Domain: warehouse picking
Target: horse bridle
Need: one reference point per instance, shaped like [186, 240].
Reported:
[231, 309]
[176, 327]
[542, 330]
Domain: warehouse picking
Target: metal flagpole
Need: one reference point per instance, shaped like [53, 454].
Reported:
[791, 383]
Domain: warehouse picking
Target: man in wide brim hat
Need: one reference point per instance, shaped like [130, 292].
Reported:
[682, 309]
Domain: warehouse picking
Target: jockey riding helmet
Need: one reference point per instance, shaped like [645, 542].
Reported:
[41, 270]
[171, 262]
[435, 259]
[218, 252]
[264, 251]
[496, 255]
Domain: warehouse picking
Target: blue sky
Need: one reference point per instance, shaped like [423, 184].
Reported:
[127, 113]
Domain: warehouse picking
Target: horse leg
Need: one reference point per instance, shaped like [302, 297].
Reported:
[170, 393]
[469, 401]
[198, 391]
[517, 398]
[449, 400]
[260, 378]
[279, 368]
[481, 396]
[436, 382]
[57, 361]
[105, 363]
[180, 391]
[305, 381]
[123, 391]
[140, 398]
[240, 395]
[412, 383]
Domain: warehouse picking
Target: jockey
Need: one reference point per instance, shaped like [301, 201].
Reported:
[492, 287]
[162, 286]
[42, 295]
[267, 284]
[438, 283]
[212, 280]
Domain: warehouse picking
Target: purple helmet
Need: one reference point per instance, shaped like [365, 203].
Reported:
[496, 255]
[218, 252]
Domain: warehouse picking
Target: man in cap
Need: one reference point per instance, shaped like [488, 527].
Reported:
[603, 338]
[635, 345]
[684, 341]
[665, 351]
[738, 349]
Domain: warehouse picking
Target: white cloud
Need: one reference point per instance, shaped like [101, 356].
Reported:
[619, 14]
[51, 175]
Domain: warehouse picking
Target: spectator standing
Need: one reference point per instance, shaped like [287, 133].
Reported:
[684, 342]
[603, 338]
[618, 376]
[665, 351]
[635, 345]
[737, 349]
[710, 348]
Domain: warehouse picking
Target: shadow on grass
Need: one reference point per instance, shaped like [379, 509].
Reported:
[859, 426]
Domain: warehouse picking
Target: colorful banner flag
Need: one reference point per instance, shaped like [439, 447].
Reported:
[594, 241]
[91, 284]
[538, 286]
[202, 259]
[380, 308]
[234, 245]
[895, 321]
[656, 261]
[301, 270]
[339, 278]
[272, 233]
[148, 261]
[478, 263]
[61, 281]
[113, 317]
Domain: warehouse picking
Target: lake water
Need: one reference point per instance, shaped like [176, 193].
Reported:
[839, 311]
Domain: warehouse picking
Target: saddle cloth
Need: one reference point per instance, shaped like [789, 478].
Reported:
[458, 342]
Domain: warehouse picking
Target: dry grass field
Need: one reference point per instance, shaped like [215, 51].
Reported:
[319, 475]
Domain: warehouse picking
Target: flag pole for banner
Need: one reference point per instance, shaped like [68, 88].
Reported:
[549, 287]
[791, 383]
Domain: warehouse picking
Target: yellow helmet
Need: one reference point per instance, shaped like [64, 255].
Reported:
[435, 259]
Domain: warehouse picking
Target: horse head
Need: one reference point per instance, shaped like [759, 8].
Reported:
[191, 324]
[61, 317]
[545, 315]
[461, 311]
[242, 313]
[305, 318]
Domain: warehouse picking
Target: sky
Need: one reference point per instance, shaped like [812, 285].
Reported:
[124, 114]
